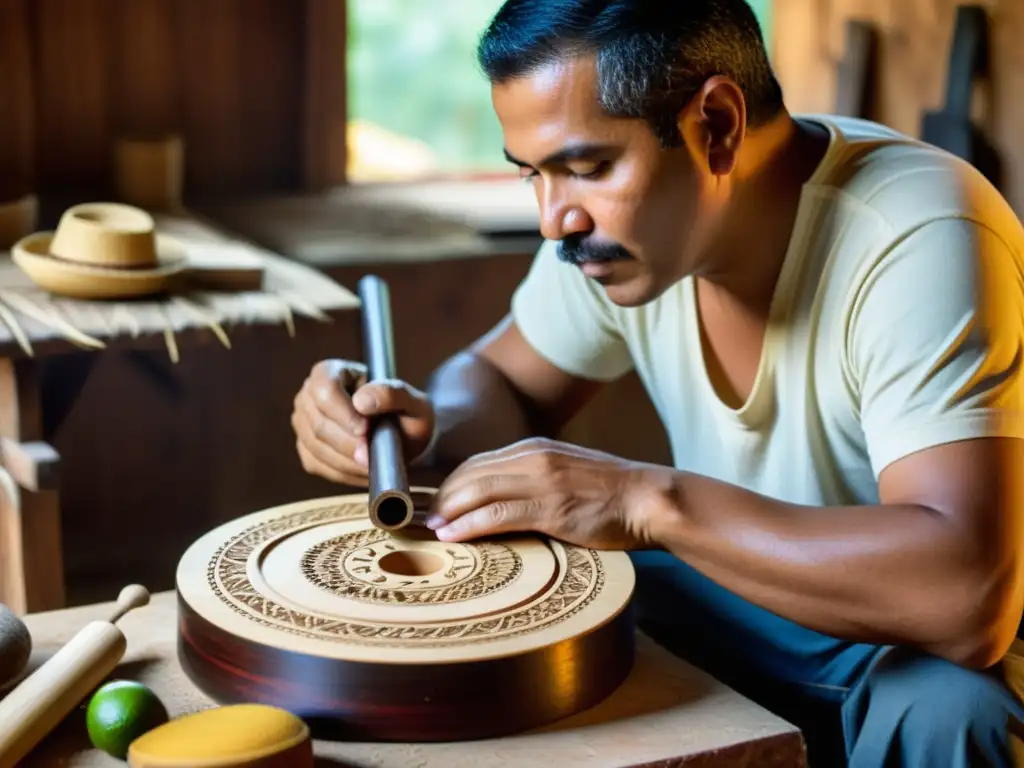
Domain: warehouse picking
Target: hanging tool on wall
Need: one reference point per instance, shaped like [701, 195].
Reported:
[952, 128]
[857, 75]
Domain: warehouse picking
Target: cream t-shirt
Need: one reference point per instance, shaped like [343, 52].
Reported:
[897, 324]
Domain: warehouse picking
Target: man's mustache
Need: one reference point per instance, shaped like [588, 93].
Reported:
[574, 249]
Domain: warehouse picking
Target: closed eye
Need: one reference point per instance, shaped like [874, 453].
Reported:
[598, 169]
[585, 154]
[596, 172]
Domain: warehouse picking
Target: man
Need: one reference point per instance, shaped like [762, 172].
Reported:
[828, 317]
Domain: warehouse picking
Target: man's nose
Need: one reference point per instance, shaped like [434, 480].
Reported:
[560, 217]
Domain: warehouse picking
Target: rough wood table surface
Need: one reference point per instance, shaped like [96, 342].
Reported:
[34, 322]
[666, 714]
[389, 224]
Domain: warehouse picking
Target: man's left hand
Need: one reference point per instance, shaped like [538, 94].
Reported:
[579, 496]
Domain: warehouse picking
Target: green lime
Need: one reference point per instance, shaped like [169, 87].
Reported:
[119, 712]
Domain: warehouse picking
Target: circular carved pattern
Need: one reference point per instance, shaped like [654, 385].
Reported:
[351, 566]
[227, 577]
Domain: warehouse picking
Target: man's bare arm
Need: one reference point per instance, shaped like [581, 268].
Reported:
[497, 392]
[937, 564]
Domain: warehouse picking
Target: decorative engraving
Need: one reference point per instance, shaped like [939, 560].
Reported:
[576, 587]
[350, 566]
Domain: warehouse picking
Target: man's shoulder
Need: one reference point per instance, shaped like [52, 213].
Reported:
[906, 183]
[905, 235]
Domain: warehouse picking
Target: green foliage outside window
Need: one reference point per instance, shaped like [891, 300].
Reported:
[413, 74]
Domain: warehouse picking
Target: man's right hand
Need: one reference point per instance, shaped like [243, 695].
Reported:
[332, 411]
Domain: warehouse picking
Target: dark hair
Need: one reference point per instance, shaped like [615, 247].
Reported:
[652, 55]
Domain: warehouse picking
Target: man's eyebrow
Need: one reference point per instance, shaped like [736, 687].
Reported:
[571, 152]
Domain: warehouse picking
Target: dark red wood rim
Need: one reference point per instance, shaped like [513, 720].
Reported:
[404, 702]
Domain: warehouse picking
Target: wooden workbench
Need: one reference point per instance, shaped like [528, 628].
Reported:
[666, 713]
[39, 331]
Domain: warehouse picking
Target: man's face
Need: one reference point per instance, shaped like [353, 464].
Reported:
[633, 216]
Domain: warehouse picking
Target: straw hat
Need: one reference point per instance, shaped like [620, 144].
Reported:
[101, 251]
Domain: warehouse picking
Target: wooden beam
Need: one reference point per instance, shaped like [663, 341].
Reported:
[31, 548]
[326, 114]
[33, 466]
[31, 555]
[21, 417]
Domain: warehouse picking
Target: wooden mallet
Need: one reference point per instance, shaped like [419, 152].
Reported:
[44, 698]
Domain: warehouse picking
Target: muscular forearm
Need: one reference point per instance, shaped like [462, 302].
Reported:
[896, 574]
[477, 410]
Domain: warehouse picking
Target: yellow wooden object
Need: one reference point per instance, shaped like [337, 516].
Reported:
[232, 736]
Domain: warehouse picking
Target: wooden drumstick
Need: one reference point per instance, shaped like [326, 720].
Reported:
[44, 698]
[391, 504]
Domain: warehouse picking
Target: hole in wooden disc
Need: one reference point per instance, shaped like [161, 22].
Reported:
[410, 563]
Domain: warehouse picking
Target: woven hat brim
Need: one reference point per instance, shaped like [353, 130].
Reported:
[70, 278]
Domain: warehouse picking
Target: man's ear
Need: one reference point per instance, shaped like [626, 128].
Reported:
[714, 122]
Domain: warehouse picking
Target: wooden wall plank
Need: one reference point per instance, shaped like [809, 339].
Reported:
[229, 75]
[73, 134]
[271, 35]
[326, 114]
[242, 84]
[145, 71]
[17, 101]
[209, 34]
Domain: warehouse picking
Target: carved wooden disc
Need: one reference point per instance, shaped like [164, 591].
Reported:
[310, 606]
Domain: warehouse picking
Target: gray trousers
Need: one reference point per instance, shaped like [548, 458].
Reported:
[858, 705]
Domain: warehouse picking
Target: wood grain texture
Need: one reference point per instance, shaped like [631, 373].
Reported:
[401, 637]
[34, 707]
[242, 83]
[34, 466]
[38, 703]
[914, 42]
[31, 544]
[17, 101]
[229, 76]
[667, 713]
[145, 84]
[146, 61]
[211, 75]
[74, 43]
[49, 324]
[409, 702]
[272, 37]
[326, 106]
[20, 412]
